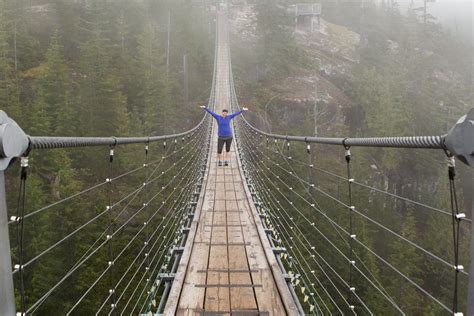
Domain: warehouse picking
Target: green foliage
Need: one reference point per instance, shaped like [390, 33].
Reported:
[94, 68]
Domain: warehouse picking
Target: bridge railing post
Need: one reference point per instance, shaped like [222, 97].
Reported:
[13, 144]
[7, 297]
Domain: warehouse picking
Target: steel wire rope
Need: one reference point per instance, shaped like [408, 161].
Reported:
[366, 217]
[133, 193]
[316, 205]
[89, 256]
[188, 193]
[114, 260]
[125, 224]
[137, 256]
[317, 279]
[143, 261]
[140, 189]
[87, 190]
[277, 218]
[375, 189]
[327, 239]
[385, 295]
[389, 265]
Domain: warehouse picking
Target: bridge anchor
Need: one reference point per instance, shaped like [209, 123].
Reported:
[13, 144]
[460, 139]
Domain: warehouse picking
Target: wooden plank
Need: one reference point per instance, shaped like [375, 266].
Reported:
[230, 268]
[217, 298]
[262, 258]
[185, 277]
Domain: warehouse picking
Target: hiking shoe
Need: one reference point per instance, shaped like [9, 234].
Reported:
[220, 163]
[226, 163]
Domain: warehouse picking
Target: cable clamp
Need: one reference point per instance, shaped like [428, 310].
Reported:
[108, 180]
[353, 236]
[351, 180]
[460, 216]
[352, 207]
[17, 267]
[352, 289]
[108, 237]
[107, 207]
[459, 268]
[451, 162]
[113, 306]
[24, 162]
[351, 307]
[311, 166]
[352, 262]
[16, 219]
[111, 291]
[458, 314]
[110, 263]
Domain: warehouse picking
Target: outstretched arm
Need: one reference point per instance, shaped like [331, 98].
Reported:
[209, 111]
[237, 113]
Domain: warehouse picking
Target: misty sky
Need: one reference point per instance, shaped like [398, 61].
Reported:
[455, 14]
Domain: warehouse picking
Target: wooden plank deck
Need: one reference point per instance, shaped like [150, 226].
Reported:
[228, 267]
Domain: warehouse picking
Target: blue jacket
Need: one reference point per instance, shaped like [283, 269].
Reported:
[224, 123]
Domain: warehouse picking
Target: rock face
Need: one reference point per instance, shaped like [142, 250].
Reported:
[315, 92]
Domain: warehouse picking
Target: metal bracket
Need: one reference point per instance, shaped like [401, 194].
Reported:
[177, 250]
[278, 250]
[13, 141]
[167, 277]
[460, 139]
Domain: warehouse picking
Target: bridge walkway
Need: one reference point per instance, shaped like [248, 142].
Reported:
[228, 267]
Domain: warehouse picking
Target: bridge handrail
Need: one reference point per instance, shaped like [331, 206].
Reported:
[48, 142]
[457, 142]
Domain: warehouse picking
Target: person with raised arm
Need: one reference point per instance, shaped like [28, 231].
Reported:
[224, 132]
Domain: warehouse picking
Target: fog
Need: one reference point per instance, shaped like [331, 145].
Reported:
[454, 14]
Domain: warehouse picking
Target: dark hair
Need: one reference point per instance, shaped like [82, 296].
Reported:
[225, 110]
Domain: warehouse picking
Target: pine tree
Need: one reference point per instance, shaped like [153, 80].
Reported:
[103, 104]
[408, 261]
[9, 90]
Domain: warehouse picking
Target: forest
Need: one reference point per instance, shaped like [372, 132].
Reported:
[142, 68]
[95, 68]
[408, 75]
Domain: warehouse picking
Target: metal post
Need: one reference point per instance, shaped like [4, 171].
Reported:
[7, 297]
[185, 79]
[13, 144]
[164, 297]
[468, 186]
[168, 45]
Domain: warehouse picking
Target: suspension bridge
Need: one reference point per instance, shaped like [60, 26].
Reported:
[177, 234]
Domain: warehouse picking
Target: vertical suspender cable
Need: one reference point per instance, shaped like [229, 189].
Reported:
[21, 229]
[456, 219]
[111, 230]
[352, 236]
